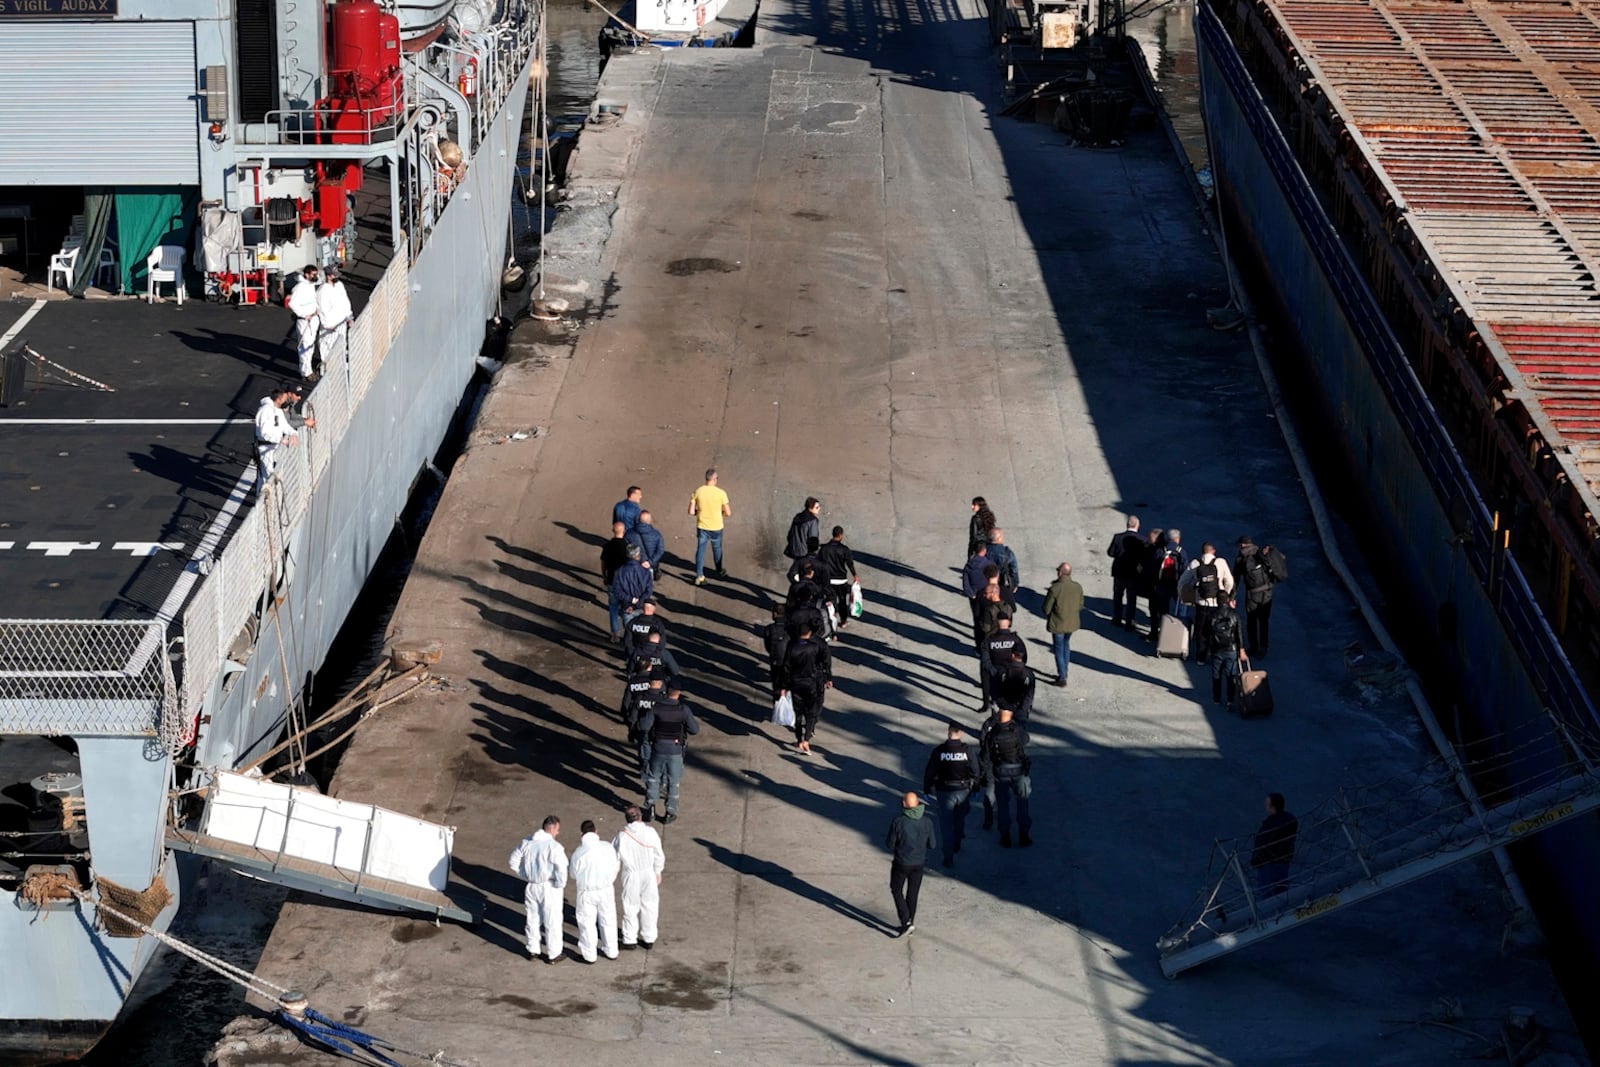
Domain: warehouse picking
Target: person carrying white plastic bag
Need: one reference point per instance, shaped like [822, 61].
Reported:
[783, 711]
[839, 568]
[857, 604]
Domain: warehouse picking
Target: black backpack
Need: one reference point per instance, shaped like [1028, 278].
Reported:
[1277, 566]
[1256, 575]
[1206, 582]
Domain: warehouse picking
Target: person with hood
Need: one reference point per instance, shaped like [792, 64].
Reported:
[334, 316]
[541, 862]
[805, 530]
[642, 859]
[302, 304]
[1063, 611]
[909, 838]
[1211, 581]
[594, 873]
[652, 546]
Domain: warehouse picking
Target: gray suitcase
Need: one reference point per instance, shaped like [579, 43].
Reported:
[1174, 640]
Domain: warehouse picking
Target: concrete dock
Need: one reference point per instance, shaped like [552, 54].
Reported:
[833, 269]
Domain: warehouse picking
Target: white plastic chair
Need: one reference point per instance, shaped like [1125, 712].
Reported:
[109, 264]
[64, 263]
[165, 264]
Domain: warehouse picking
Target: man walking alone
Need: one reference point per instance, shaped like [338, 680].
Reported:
[709, 506]
[1063, 611]
[542, 863]
[908, 841]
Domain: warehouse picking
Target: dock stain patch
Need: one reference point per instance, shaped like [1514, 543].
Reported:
[677, 986]
[682, 268]
[405, 931]
[532, 1009]
[809, 216]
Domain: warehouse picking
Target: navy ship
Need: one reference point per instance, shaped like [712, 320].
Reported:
[1409, 187]
[180, 164]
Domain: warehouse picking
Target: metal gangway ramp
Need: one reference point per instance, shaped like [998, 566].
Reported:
[1365, 841]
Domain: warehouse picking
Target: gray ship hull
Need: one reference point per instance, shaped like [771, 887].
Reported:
[1414, 491]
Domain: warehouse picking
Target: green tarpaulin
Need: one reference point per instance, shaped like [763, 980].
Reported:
[147, 218]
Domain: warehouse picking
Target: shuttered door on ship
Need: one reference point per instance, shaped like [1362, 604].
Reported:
[105, 103]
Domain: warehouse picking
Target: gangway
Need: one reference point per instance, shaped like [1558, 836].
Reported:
[1360, 843]
[332, 847]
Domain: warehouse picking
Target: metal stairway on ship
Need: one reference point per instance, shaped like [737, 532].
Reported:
[1361, 843]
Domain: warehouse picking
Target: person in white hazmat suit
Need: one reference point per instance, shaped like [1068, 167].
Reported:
[334, 316]
[302, 305]
[542, 863]
[594, 873]
[642, 858]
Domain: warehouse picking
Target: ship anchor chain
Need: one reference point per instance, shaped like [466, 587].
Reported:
[293, 1009]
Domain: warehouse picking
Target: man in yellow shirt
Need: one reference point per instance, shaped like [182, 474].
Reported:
[709, 506]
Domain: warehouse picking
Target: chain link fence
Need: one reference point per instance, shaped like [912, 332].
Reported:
[85, 678]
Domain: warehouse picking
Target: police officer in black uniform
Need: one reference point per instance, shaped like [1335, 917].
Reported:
[1015, 684]
[636, 638]
[951, 774]
[645, 676]
[1005, 757]
[665, 728]
[808, 670]
[995, 654]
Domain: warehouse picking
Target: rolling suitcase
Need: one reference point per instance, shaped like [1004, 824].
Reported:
[1255, 695]
[1174, 639]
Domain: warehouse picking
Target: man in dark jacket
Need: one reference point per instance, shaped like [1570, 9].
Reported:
[808, 675]
[1150, 554]
[838, 569]
[1127, 553]
[652, 547]
[983, 521]
[612, 556]
[665, 729]
[1272, 850]
[775, 638]
[951, 774]
[1227, 658]
[806, 603]
[630, 587]
[1250, 570]
[1006, 762]
[805, 530]
[908, 841]
[1001, 556]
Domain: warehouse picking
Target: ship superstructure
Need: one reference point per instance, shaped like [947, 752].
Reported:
[163, 619]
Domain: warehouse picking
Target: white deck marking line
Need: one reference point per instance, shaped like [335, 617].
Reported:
[18, 326]
[155, 639]
[120, 422]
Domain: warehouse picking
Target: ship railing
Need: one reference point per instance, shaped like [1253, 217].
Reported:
[378, 117]
[86, 679]
[229, 607]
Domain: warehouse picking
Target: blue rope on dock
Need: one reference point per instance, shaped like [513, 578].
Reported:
[342, 1038]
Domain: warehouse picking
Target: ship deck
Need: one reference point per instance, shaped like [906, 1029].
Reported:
[1483, 119]
[109, 487]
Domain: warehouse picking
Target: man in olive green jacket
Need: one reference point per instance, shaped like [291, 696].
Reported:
[1063, 604]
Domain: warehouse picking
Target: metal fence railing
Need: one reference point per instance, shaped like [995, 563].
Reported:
[232, 594]
[84, 678]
